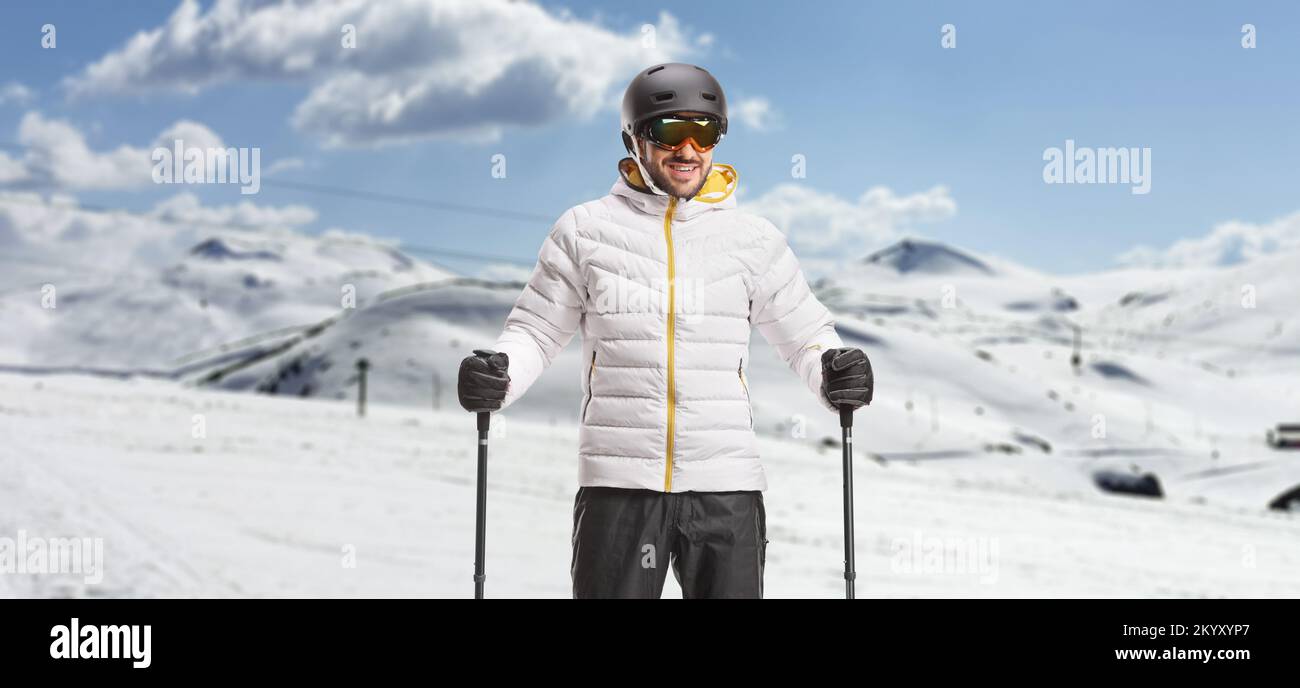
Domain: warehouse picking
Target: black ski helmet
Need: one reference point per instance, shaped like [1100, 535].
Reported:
[668, 88]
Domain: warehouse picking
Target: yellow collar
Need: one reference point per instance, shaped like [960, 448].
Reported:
[719, 185]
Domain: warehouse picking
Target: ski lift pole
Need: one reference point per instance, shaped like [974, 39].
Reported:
[363, 366]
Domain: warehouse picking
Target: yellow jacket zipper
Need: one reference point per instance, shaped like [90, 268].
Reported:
[672, 341]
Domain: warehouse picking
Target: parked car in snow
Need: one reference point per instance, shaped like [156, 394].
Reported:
[1285, 436]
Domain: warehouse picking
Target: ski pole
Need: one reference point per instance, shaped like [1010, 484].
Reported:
[480, 511]
[480, 529]
[846, 428]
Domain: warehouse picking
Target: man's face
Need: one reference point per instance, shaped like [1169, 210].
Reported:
[679, 173]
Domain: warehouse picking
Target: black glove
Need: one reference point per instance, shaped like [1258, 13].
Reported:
[847, 381]
[483, 381]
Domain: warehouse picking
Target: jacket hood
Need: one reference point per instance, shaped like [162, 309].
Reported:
[718, 191]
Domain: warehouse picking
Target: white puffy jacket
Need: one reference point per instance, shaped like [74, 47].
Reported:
[665, 292]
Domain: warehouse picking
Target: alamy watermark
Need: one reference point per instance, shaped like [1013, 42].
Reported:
[1084, 165]
[946, 556]
[38, 555]
[96, 641]
[183, 164]
[625, 293]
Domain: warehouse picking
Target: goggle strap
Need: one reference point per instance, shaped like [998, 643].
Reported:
[645, 174]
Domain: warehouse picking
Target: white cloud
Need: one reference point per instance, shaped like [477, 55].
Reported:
[342, 235]
[191, 133]
[285, 164]
[11, 171]
[1229, 243]
[505, 272]
[818, 221]
[755, 113]
[462, 68]
[186, 208]
[57, 231]
[56, 235]
[56, 155]
[16, 94]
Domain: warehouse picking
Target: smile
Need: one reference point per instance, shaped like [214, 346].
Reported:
[683, 171]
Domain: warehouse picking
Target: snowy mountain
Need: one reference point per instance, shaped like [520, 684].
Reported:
[912, 256]
[413, 339]
[229, 286]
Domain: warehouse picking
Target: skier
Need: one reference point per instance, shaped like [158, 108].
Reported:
[665, 277]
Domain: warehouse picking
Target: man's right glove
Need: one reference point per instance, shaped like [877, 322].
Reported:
[847, 381]
[483, 381]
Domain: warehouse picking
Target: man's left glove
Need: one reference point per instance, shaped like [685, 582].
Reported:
[847, 381]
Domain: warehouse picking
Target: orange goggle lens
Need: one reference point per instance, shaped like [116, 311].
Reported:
[672, 133]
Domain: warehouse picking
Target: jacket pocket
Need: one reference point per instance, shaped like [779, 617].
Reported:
[740, 373]
[591, 374]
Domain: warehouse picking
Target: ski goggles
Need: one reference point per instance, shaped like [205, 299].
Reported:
[672, 132]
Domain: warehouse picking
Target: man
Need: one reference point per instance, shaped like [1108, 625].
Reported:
[665, 277]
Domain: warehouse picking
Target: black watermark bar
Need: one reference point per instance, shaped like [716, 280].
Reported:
[334, 638]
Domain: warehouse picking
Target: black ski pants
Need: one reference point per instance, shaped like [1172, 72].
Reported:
[624, 540]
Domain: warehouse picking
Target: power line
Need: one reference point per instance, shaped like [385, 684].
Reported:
[396, 199]
[411, 201]
[361, 194]
[184, 222]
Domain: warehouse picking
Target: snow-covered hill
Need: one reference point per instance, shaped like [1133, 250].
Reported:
[229, 286]
[914, 256]
[413, 338]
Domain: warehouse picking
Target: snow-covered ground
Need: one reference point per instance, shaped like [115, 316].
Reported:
[281, 490]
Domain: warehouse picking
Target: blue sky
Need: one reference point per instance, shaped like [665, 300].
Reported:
[863, 90]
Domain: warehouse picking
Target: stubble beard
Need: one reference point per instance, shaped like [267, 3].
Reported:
[675, 189]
